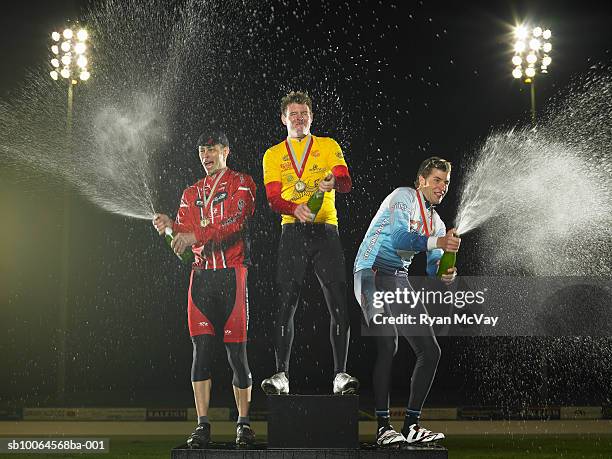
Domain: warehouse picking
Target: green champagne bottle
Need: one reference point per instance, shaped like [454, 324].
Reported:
[446, 262]
[187, 257]
[316, 201]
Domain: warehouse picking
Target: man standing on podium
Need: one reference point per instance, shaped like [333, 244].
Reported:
[406, 223]
[213, 220]
[293, 171]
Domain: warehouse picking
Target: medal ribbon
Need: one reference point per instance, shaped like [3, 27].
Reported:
[428, 228]
[206, 207]
[298, 166]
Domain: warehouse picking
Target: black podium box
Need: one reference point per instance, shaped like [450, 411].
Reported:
[313, 421]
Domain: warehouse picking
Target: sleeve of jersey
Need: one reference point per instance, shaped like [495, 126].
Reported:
[273, 182]
[240, 207]
[343, 179]
[401, 236]
[277, 203]
[433, 256]
[181, 224]
[339, 168]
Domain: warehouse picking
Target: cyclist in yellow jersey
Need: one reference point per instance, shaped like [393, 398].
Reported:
[294, 170]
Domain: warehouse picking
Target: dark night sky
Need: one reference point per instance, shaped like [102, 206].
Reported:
[416, 80]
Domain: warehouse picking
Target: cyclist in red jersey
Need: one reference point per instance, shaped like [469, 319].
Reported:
[213, 220]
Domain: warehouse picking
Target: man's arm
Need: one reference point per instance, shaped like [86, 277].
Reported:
[402, 238]
[184, 219]
[434, 255]
[273, 183]
[182, 223]
[276, 202]
[339, 169]
[240, 206]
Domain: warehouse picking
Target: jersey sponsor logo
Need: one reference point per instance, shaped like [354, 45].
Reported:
[286, 158]
[199, 203]
[285, 166]
[315, 168]
[340, 155]
[240, 204]
[228, 332]
[316, 153]
[203, 324]
[219, 197]
[377, 233]
[400, 206]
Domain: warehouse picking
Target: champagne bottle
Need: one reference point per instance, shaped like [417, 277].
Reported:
[447, 261]
[316, 201]
[187, 256]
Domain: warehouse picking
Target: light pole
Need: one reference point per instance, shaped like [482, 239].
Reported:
[531, 57]
[69, 64]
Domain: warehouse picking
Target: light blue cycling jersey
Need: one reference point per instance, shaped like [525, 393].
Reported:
[397, 233]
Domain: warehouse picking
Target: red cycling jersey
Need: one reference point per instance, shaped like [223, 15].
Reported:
[219, 222]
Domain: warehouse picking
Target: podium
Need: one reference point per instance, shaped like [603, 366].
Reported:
[311, 427]
[313, 421]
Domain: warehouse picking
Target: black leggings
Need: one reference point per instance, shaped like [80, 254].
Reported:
[339, 330]
[424, 345]
[302, 245]
[427, 352]
[236, 356]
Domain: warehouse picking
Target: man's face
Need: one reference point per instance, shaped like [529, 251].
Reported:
[213, 157]
[435, 186]
[298, 119]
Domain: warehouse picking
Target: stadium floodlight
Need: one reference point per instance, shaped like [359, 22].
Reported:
[69, 65]
[521, 32]
[71, 53]
[519, 47]
[532, 45]
[82, 35]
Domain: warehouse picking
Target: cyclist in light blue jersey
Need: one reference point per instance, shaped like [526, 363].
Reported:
[406, 223]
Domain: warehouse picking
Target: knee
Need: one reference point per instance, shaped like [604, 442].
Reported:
[242, 379]
[200, 368]
[434, 352]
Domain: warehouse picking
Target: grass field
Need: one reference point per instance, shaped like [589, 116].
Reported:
[589, 446]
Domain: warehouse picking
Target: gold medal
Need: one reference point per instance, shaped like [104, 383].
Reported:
[300, 186]
[204, 222]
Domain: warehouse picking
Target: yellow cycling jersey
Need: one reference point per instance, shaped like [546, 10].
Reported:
[317, 162]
